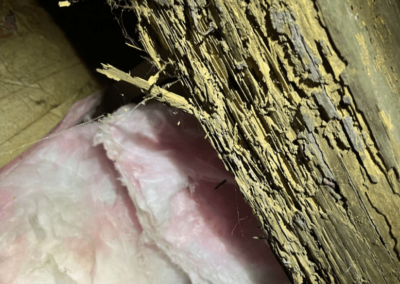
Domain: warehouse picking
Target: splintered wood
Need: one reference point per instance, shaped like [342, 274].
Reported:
[284, 111]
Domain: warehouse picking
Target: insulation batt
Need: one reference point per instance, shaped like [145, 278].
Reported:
[130, 199]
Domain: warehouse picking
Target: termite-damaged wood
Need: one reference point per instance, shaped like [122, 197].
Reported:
[294, 116]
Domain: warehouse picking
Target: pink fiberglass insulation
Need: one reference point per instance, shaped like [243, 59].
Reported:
[140, 207]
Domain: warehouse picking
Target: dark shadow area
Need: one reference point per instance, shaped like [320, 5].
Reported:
[93, 29]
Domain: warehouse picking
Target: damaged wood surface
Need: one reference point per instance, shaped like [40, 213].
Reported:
[287, 92]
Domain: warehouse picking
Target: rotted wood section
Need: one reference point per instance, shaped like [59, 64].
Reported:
[291, 94]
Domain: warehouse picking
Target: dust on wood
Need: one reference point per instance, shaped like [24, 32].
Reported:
[281, 105]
